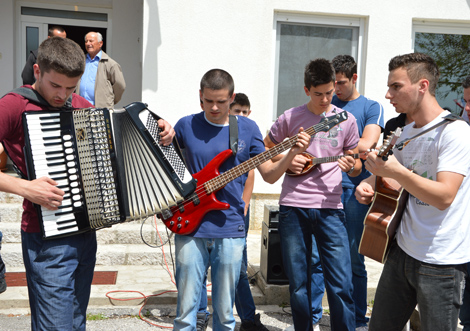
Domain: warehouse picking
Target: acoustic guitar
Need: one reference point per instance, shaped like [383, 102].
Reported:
[385, 212]
[185, 218]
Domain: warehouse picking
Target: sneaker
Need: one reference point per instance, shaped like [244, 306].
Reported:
[202, 321]
[3, 285]
[254, 325]
[362, 328]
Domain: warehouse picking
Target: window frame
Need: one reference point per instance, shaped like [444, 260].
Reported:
[318, 20]
[437, 27]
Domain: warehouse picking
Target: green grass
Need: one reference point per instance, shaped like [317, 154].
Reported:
[96, 317]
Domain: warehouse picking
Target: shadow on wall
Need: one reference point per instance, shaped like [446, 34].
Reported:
[153, 38]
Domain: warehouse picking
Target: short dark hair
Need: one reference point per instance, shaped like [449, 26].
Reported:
[240, 99]
[217, 79]
[319, 72]
[466, 82]
[417, 66]
[62, 55]
[345, 64]
[55, 27]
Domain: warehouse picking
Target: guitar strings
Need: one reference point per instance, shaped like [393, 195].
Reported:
[194, 196]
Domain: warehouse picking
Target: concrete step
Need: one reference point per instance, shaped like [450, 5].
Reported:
[10, 198]
[124, 233]
[107, 255]
[11, 232]
[134, 285]
[10, 212]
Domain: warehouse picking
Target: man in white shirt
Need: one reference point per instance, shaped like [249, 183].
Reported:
[427, 262]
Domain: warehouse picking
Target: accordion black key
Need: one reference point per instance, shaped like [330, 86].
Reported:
[108, 162]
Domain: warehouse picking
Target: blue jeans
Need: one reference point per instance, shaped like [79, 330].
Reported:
[405, 282]
[355, 214]
[2, 264]
[296, 226]
[203, 301]
[465, 309]
[59, 273]
[193, 257]
[243, 298]
[318, 284]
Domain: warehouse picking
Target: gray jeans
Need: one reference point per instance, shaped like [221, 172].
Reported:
[405, 282]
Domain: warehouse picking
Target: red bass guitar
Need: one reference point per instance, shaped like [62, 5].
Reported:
[185, 218]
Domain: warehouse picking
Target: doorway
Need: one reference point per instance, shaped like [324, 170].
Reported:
[35, 20]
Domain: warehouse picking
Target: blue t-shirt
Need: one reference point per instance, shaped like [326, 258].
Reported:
[201, 141]
[366, 111]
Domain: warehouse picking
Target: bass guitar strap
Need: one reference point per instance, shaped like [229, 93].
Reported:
[233, 128]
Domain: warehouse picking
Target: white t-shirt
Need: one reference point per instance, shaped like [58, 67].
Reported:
[427, 233]
[465, 117]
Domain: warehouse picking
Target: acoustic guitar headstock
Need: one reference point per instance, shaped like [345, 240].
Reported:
[386, 149]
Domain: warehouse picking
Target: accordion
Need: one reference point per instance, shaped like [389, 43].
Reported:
[108, 162]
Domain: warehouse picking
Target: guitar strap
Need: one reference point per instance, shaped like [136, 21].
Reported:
[233, 128]
[446, 120]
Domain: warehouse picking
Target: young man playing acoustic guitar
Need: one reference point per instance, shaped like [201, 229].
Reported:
[426, 264]
[311, 203]
[219, 240]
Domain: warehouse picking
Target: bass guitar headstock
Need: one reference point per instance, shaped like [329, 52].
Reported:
[329, 122]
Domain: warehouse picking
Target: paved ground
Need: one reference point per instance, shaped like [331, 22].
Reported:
[135, 282]
[159, 318]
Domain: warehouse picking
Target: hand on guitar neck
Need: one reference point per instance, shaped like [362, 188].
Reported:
[305, 162]
[381, 164]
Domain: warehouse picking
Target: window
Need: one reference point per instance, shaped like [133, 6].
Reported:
[448, 45]
[301, 38]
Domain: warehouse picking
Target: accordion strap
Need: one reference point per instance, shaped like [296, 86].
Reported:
[233, 127]
[33, 96]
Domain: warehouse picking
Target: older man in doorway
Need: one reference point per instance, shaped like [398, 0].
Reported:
[103, 83]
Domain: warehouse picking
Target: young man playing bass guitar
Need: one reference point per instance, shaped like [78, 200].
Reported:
[426, 264]
[219, 239]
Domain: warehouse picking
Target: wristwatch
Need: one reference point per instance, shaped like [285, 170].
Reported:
[350, 170]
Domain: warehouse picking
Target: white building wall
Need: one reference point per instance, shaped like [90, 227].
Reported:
[164, 46]
[184, 39]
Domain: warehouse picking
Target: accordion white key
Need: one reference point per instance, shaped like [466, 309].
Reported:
[109, 163]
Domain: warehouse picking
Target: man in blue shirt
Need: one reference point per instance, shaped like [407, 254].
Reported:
[219, 240]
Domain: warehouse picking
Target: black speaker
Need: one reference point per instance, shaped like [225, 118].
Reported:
[271, 265]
